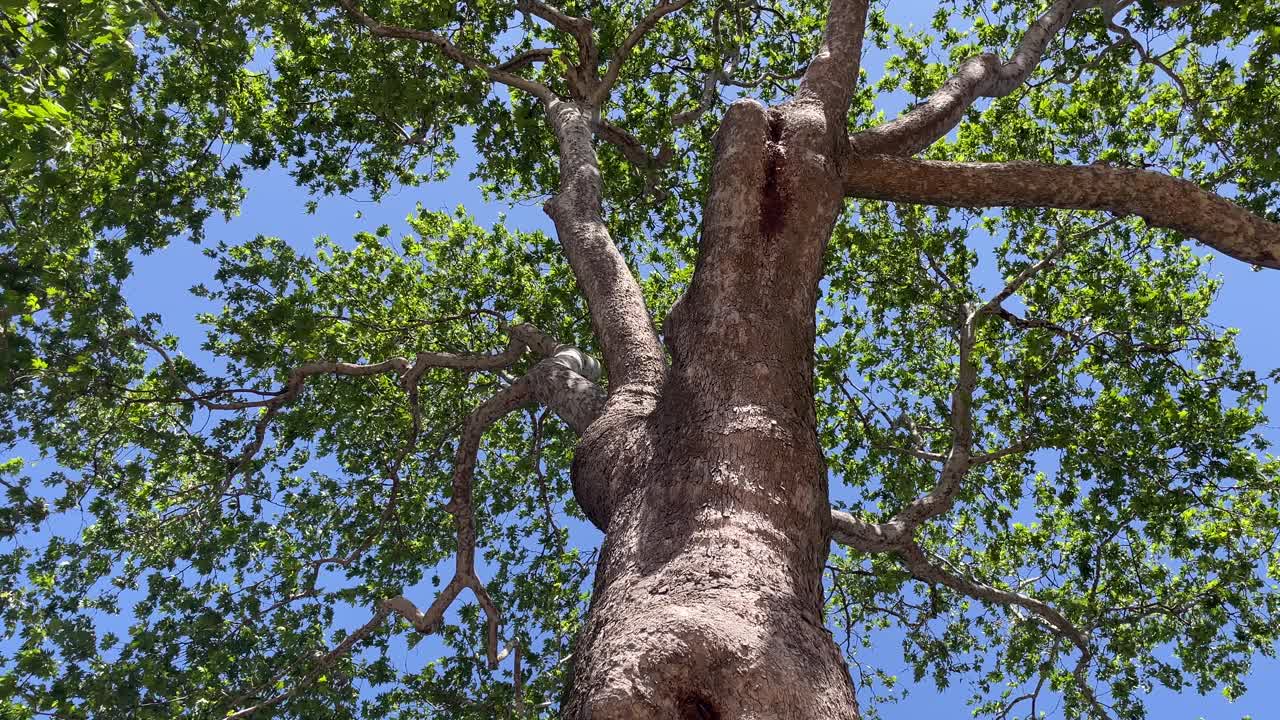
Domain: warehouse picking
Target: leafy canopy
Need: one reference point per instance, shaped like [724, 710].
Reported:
[162, 570]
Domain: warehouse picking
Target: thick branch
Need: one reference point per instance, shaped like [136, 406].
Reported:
[1161, 200]
[618, 314]
[578, 27]
[979, 76]
[583, 76]
[471, 363]
[447, 49]
[832, 74]
[863, 536]
[563, 383]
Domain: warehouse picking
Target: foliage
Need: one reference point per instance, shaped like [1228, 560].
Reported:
[1145, 509]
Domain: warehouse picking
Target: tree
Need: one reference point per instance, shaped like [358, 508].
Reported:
[1049, 466]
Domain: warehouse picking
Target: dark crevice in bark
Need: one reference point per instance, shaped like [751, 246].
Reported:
[772, 204]
[696, 707]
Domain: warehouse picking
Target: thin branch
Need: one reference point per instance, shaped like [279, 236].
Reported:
[943, 495]
[563, 379]
[1081, 70]
[711, 82]
[879, 537]
[870, 537]
[919, 565]
[517, 682]
[1016, 448]
[914, 452]
[926, 570]
[522, 336]
[559, 379]
[393, 495]
[1024, 323]
[342, 649]
[168, 17]
[632, 149]
[1188, 102]
[1065, 242]
[659, 11]
[418, 138]
[460, 506]
[448, 49]
[525, 59]
[1029, 272]
[535, 461]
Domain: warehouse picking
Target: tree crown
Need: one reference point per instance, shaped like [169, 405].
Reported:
[1116, 524]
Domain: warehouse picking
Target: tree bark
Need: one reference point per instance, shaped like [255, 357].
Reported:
[1161, 200]
[712, 493]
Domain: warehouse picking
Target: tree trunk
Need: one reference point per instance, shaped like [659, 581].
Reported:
[711, 489]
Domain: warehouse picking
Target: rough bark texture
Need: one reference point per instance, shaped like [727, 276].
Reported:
[1161, 200]
[708, 598]
[631, 349]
